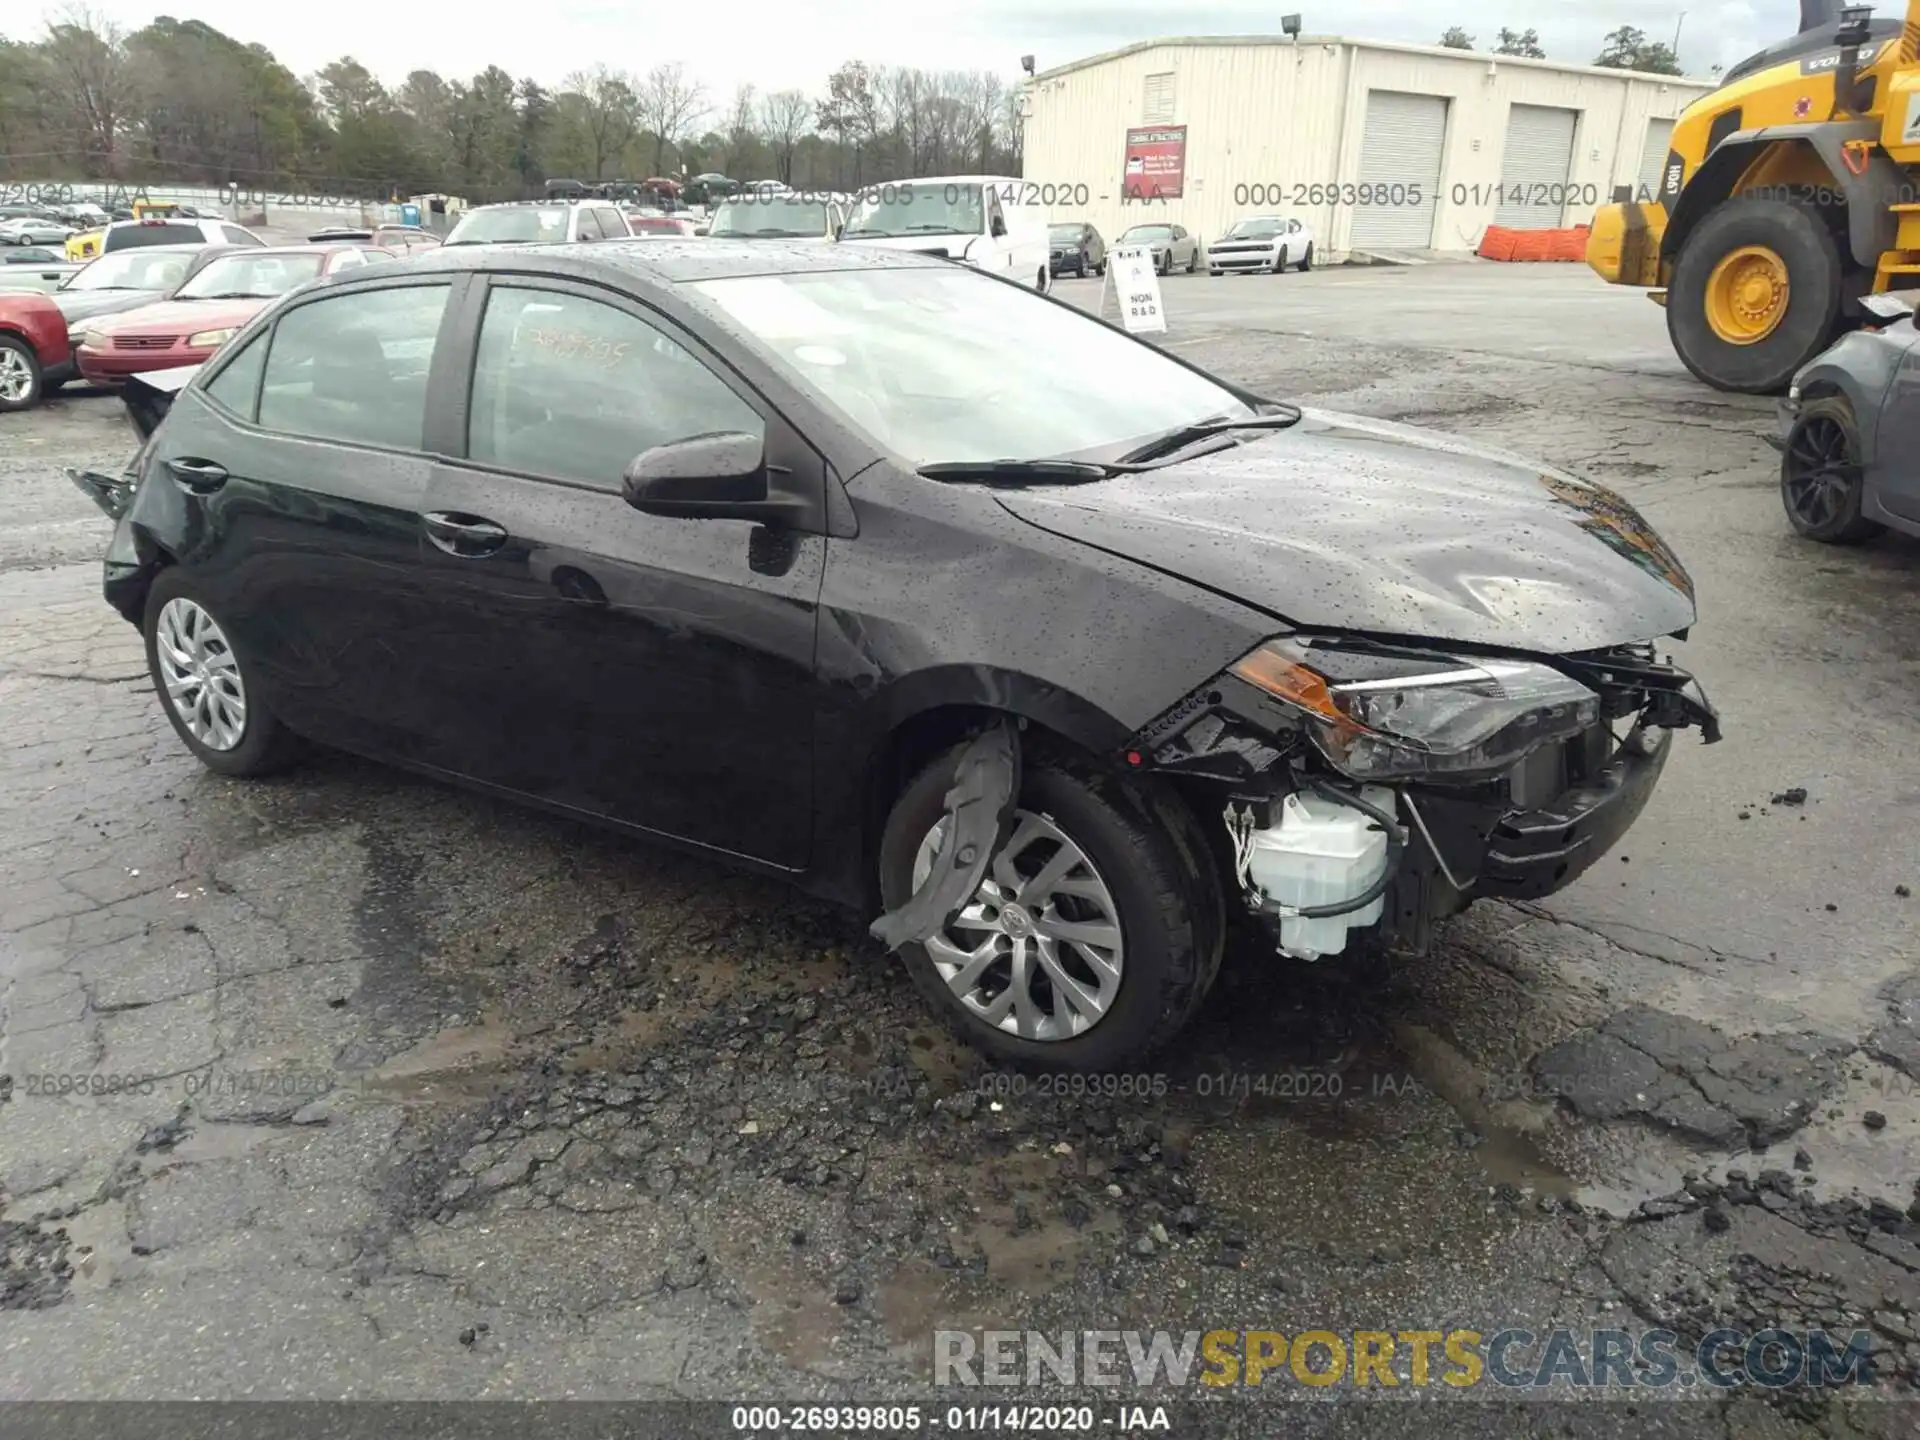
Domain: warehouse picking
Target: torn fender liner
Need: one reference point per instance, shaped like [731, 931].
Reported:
[979, 813]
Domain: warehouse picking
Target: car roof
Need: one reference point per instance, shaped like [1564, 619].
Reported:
[671, 262]
[319, 247]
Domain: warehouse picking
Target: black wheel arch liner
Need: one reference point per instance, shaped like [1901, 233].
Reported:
[1871, 226]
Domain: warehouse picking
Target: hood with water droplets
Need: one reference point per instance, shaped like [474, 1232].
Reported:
[1353, 524]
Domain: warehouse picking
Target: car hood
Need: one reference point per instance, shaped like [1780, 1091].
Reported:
[1345, 523]
[85, 304]
[179, 316]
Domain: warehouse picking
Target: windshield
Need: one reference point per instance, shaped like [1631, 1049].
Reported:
[1064, 232]
[512, 224]
[1256, 229]
[806, 219]
[132, 270]
[917, 207]
[255, 277]
[940, 364]
[1143, 234]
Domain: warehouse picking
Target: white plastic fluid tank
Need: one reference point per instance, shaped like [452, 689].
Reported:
[1321, 852]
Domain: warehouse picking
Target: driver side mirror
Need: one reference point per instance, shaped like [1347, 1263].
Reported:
[723, 475]
[998, 227]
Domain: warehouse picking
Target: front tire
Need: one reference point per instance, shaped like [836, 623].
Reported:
[22, 382]
[1821, 482]
[1306, 260]
[1756, 294]
[1096, 934]
[202, 682]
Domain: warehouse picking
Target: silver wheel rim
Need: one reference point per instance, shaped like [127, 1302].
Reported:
[1038, 952]
[16, 376]
[201, 675]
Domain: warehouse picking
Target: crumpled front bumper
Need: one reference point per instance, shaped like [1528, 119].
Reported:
[1544, 848]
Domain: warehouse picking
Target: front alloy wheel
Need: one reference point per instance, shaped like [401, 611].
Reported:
[1038, 953]
[1095, 933]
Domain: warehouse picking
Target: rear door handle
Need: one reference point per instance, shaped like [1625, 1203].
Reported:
[202, 477]
[464, 535]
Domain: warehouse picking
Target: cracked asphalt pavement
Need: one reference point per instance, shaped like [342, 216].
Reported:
[392, 1091]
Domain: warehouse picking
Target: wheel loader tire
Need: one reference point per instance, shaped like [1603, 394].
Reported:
[1721, 327]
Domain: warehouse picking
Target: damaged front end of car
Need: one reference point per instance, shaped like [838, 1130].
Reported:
[1369, 791]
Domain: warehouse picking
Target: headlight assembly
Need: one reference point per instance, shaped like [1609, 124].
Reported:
[213, 338]
[1382, 715]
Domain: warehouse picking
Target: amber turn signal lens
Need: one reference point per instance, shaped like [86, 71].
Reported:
[1292, 682]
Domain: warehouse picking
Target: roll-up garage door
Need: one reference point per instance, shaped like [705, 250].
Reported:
[1534, 166]
[1653, 159]
[1400, 161]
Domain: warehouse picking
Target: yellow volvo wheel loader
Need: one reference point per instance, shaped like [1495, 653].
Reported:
[1790, 192]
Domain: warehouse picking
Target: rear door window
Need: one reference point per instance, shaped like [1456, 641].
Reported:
[354, 367]
[236, 236]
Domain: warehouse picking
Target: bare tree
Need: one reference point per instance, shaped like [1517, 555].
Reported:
[743, 129]
[785, 116]
[670, 106]
[86, 54]
[609, 107]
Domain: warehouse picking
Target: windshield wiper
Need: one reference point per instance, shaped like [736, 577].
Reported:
[865, 230]
[1018, 472]
[1182, 436]
[230, 295]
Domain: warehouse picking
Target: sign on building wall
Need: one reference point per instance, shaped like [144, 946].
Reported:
[1156, 163]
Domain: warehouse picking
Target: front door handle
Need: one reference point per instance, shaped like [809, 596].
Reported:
[202, 477]
[467, 536]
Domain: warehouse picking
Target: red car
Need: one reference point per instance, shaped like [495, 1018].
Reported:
[203, 314]
[37, 332]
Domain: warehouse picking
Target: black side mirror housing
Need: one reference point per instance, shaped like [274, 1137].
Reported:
[999, 227]
[722, 475]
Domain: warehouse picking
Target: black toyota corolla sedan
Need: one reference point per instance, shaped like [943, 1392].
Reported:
[1046, 648]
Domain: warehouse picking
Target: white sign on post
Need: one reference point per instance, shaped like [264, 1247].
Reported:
[1137, 287]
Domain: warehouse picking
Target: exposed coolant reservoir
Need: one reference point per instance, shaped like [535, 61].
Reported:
[1321, 853]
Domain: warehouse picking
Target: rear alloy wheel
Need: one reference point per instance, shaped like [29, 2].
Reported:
[21, 382]
[1821, 483]
[202, 684]
[1755, 295]
[1093, 937]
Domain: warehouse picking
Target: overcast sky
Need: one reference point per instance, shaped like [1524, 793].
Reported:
[781, 45]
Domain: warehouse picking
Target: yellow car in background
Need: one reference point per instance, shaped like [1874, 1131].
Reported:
[86, 245]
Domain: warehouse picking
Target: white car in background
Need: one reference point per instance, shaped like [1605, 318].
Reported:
[33, 230]
[982, 220]
[1262, 242]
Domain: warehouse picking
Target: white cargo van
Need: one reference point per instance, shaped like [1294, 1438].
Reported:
[986, 221]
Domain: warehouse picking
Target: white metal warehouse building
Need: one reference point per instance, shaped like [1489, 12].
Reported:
[1445, 142]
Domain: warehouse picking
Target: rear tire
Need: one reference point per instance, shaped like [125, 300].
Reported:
[263, 745]
[1821, 484]
[1152, 860]
[1813, 274]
